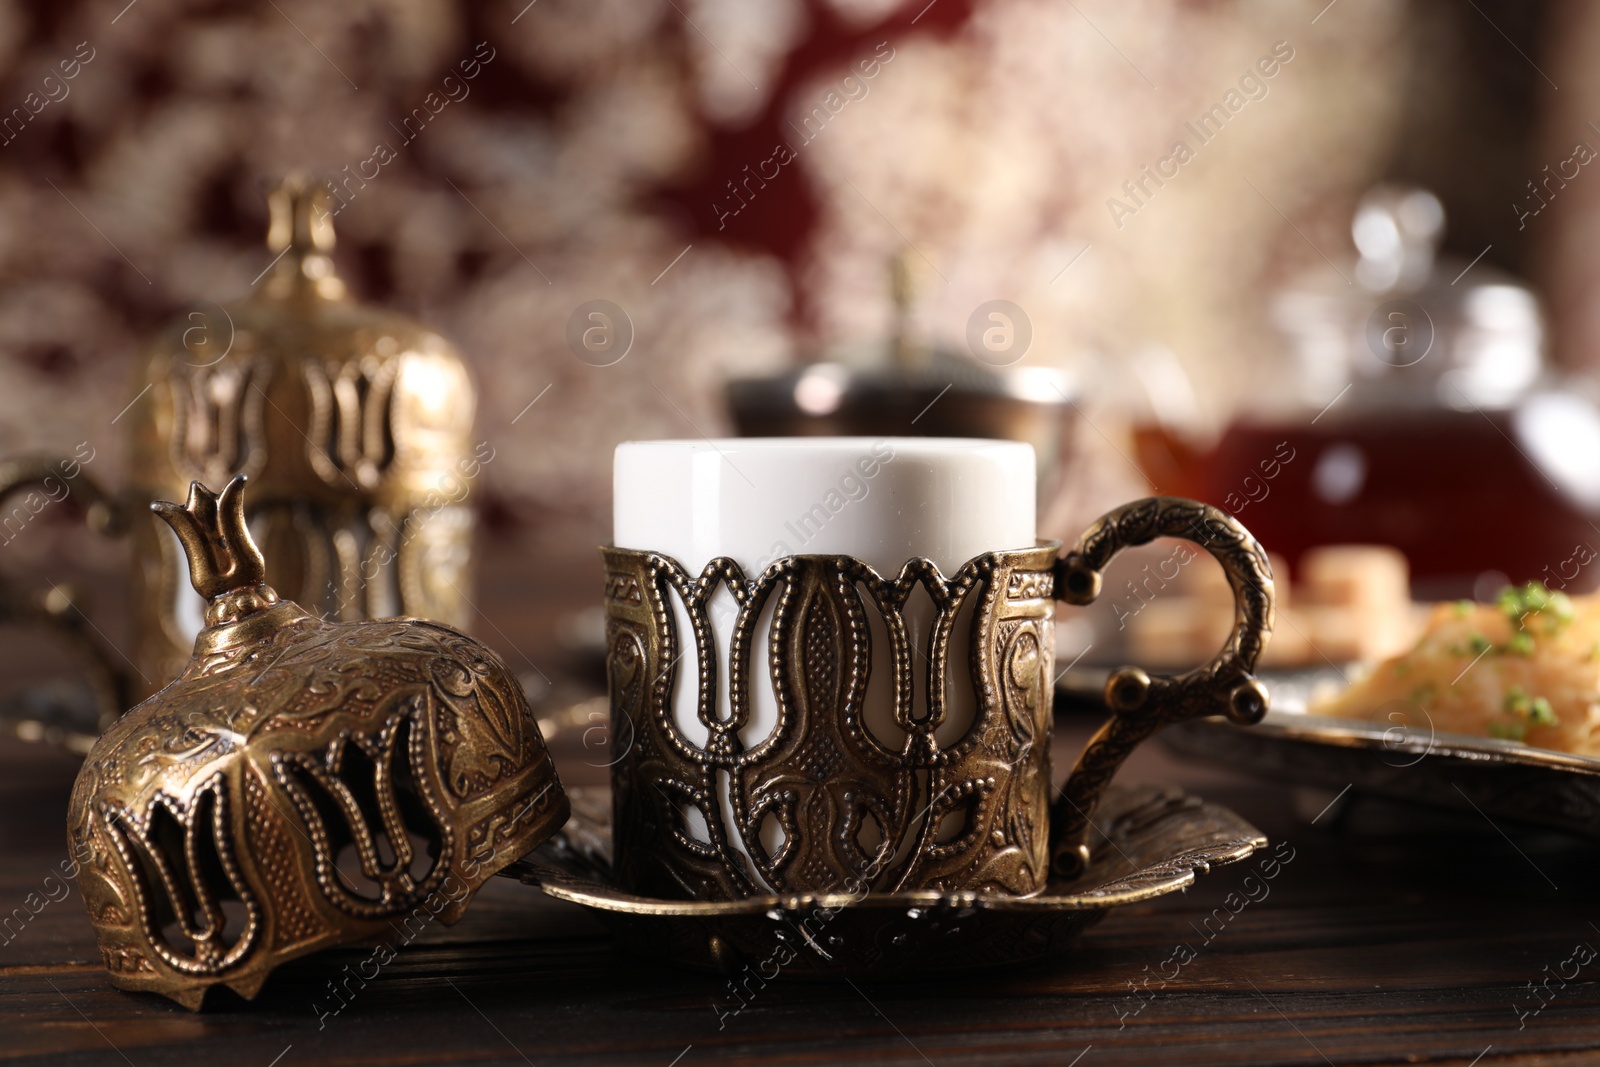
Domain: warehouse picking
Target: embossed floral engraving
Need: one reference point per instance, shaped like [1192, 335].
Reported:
[301, 785]
[826, 800]
[967, 812]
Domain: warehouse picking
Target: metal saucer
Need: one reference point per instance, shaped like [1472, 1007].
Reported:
[1150, 840]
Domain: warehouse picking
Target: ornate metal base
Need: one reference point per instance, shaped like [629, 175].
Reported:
[1156, 840]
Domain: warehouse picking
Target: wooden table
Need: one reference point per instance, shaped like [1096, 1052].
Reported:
[1391, 936]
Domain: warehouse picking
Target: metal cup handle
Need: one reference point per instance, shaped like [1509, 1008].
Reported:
[57, 611]
[1142, 703]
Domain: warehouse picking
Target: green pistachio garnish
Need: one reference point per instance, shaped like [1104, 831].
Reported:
[1528, 711]
[1552, 609]
[1511, 731]
[1517, 601]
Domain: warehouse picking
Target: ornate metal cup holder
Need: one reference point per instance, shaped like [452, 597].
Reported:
[785, 809]
[981, 860]
[1147, 841]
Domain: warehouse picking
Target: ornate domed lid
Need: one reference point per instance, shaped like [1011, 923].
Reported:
[311, 394]
[302, 784]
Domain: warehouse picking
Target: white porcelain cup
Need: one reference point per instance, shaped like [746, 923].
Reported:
[882, 500]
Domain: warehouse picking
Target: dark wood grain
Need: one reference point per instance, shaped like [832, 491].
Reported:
[1391, 936]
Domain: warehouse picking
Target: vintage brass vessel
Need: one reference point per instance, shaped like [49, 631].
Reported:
[302, 784]
[1002, 884]
[353, 423]
[857, 811]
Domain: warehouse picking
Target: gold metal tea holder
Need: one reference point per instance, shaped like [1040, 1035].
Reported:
[354, 425]
[918, 856]
[302, 784]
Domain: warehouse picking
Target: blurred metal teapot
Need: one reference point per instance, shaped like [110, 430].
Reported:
[906, 387]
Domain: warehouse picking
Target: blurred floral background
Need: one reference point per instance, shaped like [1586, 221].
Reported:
[604, 149]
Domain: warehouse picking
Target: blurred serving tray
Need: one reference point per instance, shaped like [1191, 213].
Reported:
[1497, 779]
